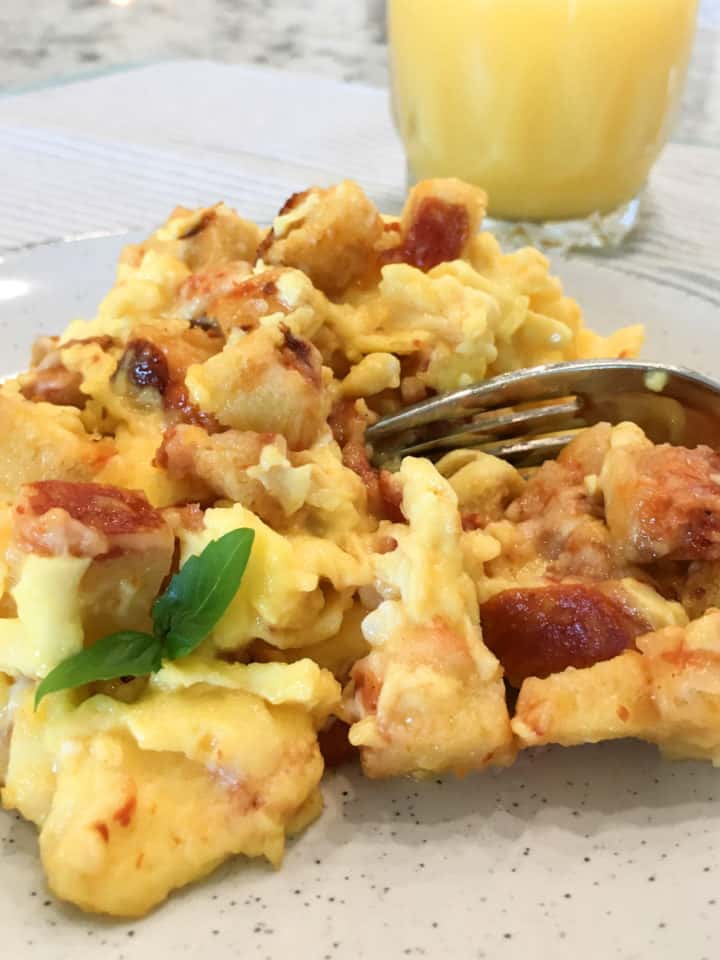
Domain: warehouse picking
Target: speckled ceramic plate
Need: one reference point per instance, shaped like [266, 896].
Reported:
[599, 852]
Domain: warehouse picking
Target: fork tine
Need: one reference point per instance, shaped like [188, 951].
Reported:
[487, 428]
[681, 406]
[530, 452]
[522, 452]
[546, 382]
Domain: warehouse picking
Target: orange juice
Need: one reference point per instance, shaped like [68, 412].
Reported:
[558, 108]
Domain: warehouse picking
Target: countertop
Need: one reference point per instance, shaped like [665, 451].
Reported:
[42, 41]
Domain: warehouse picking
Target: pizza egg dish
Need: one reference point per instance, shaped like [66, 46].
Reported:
[439, 618]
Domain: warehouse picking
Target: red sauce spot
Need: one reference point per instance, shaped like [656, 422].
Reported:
[348, 427]
[334, 745]
[383, 490]
[108, 509]
[125, 813]
[537, 631]
[356, 459]
[102, 829]
[683, 659]
[345, 422]
[623, 713]
[367, 686]
[391, 496]
[438, 233]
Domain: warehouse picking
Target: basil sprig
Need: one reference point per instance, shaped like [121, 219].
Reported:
[195, 599]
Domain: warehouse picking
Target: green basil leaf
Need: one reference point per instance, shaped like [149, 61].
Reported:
[124, 654]
[200, 593]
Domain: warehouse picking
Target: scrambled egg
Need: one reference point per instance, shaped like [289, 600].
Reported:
[227, 381]
[135, 799]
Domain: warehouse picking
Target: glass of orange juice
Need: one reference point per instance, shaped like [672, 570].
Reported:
[557, 108]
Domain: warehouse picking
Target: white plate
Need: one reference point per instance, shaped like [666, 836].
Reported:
[600, 852]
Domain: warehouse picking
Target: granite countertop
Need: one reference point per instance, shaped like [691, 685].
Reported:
[42, 41]
[341, 38]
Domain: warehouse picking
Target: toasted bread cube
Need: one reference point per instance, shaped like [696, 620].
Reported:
[41, 441]
[127, 541]
[429, 697]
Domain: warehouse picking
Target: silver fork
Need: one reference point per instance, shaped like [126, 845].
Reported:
[528, 416]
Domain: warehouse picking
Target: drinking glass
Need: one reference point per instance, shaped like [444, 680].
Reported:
[557, 108]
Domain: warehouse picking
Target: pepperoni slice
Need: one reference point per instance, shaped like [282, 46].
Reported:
[438, 232]
[537, 631]
[110, 510]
